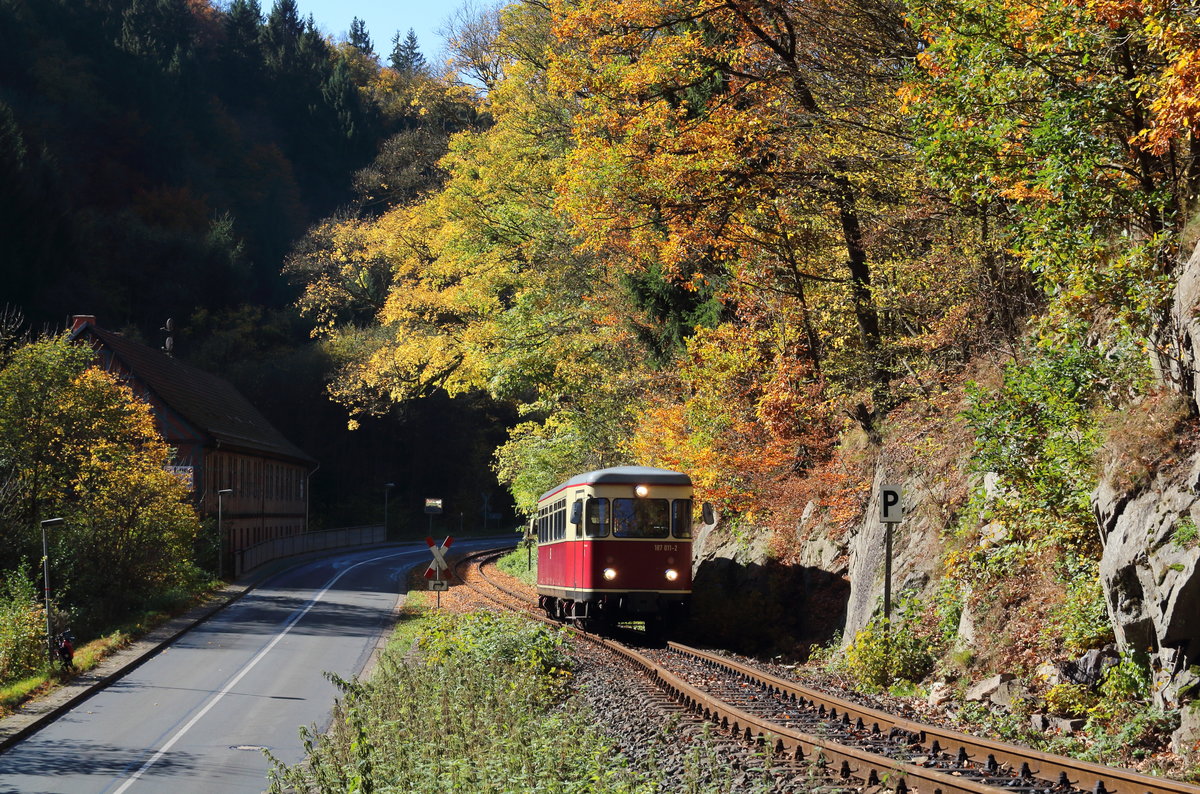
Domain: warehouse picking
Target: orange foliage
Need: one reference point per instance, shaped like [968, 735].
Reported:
[748, 416]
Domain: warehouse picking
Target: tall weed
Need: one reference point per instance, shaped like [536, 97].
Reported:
[22, 628]
[480, 708]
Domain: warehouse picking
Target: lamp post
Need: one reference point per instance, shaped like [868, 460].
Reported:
[49, 522]
[221, 494]
[387, 489]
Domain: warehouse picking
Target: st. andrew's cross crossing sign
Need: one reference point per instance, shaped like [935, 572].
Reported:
[439, 557]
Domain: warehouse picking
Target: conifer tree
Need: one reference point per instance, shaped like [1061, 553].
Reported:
[241, 50]
[406, 55]
[360, 39]
[281, 36]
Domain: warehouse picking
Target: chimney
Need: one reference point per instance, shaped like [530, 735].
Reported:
[80, 320]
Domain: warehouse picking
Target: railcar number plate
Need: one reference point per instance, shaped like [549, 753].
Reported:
[666, 547]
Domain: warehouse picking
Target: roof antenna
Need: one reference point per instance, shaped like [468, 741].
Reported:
[169, 344]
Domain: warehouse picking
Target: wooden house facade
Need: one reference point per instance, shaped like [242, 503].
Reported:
[220, 440]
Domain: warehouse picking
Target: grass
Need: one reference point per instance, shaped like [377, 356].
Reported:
[90, 654]
[516, 563]
[482, 703]
[16, 693]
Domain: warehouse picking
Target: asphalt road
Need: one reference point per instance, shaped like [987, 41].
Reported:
[196, 716]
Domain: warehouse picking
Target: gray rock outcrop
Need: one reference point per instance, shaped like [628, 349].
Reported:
[1151, 551]
[915, 555]
[1002, 690]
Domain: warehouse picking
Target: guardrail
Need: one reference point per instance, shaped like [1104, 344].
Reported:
[268, 550]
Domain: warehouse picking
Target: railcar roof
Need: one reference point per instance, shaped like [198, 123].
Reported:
[645, 475]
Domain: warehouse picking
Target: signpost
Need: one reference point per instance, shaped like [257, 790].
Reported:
[891, 511]
[433, 507]
[530, 541]
[439, 564]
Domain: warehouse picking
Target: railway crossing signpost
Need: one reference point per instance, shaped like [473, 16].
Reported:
[891, 511]
[439, 564]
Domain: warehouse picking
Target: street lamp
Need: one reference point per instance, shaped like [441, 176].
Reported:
[387, 489]
[49, 522]
[221, 494]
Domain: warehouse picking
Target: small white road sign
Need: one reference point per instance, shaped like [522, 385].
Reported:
[891, 504]
[439, 557]
[439, 584]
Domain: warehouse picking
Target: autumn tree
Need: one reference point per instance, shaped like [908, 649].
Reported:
[1061, 121]
[481, 286]
[756, 143]
[76, 444]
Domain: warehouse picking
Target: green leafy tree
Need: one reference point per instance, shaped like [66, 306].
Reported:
[1038, 114]
[76, 444]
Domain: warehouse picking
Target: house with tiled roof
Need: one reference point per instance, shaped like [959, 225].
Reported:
[220, 440]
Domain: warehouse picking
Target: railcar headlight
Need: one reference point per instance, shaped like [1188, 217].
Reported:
[610, 574]
[642, 490]
[672, 574]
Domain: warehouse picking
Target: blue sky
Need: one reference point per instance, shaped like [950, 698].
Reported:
[383, 18]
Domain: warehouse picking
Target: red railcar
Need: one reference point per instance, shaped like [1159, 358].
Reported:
[616, 544]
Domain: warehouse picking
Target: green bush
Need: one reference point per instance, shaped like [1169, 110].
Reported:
[1139, 734]
[884, 654]
[1070, 700]
[22, 629]
[499, 638]
[1039, 433]
[1082, 619]
[1128, 679]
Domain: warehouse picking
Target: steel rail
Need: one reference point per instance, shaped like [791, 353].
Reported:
[873, 769]
[1082, 775]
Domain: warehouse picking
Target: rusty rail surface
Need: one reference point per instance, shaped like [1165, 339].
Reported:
[973, 753]
[1079, 775]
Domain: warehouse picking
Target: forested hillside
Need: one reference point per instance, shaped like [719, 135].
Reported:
[161, 158]
[716, 235]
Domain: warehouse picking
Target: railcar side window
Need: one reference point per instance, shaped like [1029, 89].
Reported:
[681, 518]
[641, 518]
[596, 517]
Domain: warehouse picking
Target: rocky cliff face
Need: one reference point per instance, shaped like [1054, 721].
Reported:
[1151, 549]
[915, 554]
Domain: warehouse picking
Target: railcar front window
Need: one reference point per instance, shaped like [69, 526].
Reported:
[641, 518]
[681, 517]
[596, 517]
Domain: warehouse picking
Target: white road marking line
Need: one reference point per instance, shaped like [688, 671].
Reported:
[154, 759]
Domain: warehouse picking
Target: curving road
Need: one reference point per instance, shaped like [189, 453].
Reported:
[195, 717]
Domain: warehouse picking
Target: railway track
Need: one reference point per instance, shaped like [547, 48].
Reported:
[850, 741]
